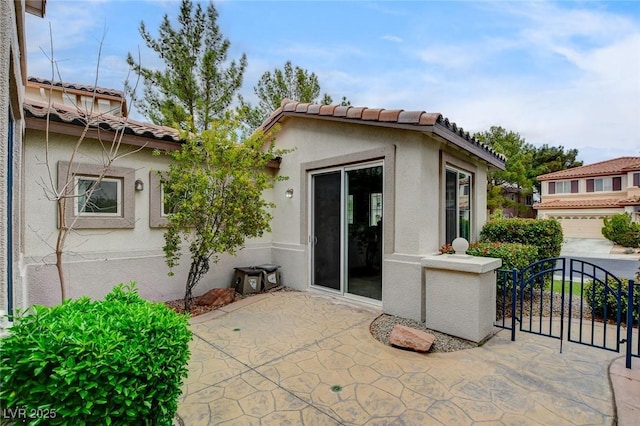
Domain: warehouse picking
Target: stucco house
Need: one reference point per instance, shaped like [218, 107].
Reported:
[581, 197]
[370, 193]
[13, 73]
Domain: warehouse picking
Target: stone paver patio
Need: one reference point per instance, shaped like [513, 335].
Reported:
[300, 358]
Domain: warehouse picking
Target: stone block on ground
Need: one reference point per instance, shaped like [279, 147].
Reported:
[410, 338]
[217, 297]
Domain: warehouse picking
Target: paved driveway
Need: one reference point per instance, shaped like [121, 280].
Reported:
[299, 358]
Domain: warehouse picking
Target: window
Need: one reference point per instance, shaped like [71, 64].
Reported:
[167, 208]
[563, 187]
[98, 205]
[95, 198]
[375, 213]
[458, 198]
[158, 209]
[604, 184]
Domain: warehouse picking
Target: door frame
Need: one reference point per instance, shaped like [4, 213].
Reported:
[343, 169]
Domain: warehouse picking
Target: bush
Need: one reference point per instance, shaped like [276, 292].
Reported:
[117, 361]
[513, 255]
[600, 296]
[545, 234]
[620, 229]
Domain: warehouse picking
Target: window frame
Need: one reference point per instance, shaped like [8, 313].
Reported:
[470, 175]
[157, 218]
[124, 220]
[78, 196]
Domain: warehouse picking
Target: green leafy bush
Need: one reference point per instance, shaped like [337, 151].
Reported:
[117, 361]
[620, 229]
[545, 234]
[513, 255]
[599, 296]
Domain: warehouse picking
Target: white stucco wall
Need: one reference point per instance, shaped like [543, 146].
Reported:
[98, 259]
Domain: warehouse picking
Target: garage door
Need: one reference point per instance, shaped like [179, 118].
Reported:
[581, 226]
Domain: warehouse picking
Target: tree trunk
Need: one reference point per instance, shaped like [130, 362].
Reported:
[199, 267]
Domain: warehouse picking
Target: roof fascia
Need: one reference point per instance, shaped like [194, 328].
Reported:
[99, 134]
[437, 129]
[470, 147]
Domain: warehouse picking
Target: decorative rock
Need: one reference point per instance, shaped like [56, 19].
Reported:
[217, 297]
[410, 338]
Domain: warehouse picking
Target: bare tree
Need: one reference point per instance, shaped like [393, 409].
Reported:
[66, 191]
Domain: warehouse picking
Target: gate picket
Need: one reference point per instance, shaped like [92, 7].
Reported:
[546, 294]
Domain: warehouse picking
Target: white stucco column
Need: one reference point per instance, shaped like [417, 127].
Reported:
[461, 295]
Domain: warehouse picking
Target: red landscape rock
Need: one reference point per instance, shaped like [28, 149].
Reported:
[217, 297]
[410, 338]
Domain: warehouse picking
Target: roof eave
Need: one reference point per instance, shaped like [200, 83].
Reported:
[69, 129]
[437, 129]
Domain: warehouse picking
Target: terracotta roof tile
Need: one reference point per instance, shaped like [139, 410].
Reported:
[314, 109]
[355, 112]
[81, 87]
[412, 120]
[390, 115]
[585, 203]
[371, 114]
[302, 107]
[327, 109]
[64, 114]
[410, 117]
[609, 167]
[430, 119]
[340, 111]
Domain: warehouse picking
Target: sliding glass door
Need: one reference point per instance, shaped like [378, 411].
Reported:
[346, 235]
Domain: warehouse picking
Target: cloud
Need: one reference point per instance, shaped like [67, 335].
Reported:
[392, 38]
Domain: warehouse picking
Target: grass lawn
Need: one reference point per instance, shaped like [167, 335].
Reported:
[557, 287]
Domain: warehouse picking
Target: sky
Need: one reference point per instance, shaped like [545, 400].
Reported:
[562, 73]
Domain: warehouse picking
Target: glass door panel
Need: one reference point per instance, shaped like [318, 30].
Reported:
[326, 235]
[364, 232]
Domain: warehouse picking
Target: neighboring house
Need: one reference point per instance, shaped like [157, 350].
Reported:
[522, 204]
[370, 193]
[12, 77]
[581, 197]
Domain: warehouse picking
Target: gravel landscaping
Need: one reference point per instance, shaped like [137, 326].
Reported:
[381, 328]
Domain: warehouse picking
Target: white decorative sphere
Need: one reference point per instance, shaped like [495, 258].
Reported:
[460, 245]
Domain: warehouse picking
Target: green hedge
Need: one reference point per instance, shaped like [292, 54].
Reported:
[513, 255]
[117, 361]
[620, 229]
[545, 234]
[600, 296]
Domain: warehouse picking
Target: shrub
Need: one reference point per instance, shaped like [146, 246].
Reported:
[513, 255]
[117, 361]
[620, 229]
[599, 296]
[545, 234]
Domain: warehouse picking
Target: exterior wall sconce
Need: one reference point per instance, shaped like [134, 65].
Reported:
[289, 193]
[139, 186]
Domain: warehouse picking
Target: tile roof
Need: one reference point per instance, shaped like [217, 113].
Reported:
[587, 203]
[78, 117]
[396, 118]
[615, 166]
[79, 87]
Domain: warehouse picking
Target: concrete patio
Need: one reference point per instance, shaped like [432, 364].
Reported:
[300, 358]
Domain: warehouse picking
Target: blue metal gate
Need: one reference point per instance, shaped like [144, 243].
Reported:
[571, 299]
